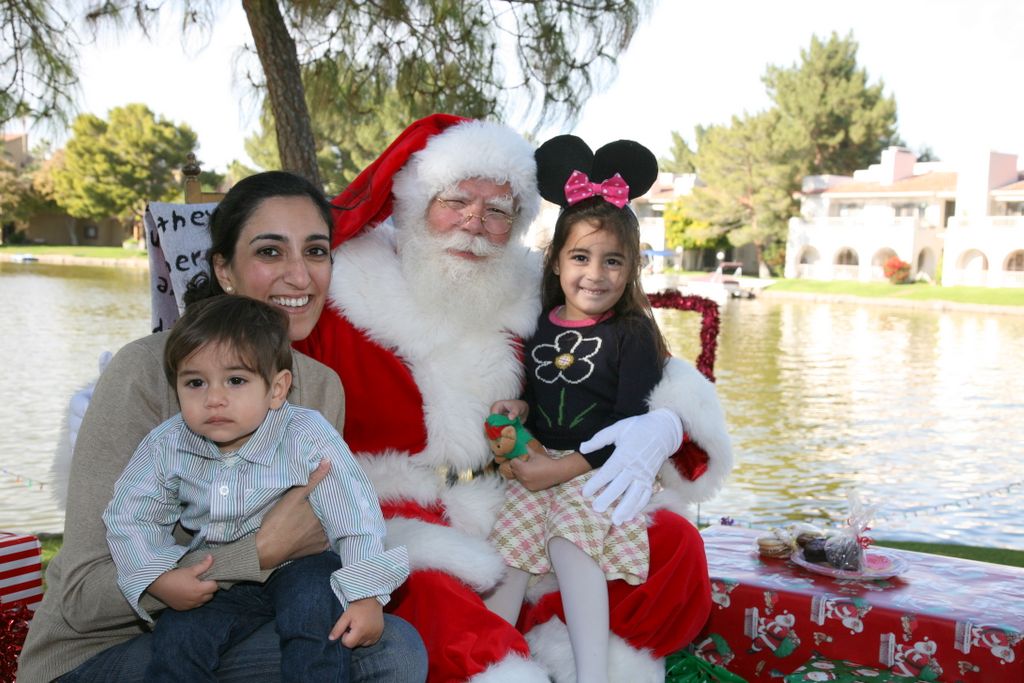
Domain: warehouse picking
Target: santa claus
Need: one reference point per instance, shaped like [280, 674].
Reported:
[427, 314]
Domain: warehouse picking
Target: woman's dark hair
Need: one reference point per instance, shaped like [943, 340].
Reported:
[234, 211]
[256, 332]
[633, 306]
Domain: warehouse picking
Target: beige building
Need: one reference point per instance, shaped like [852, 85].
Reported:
[968, 218]
[56, 227]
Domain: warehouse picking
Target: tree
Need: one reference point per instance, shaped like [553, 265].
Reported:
[683, 230]
[926, 153]
[37, 57]
[830, 111]
[112, 169]
[23, 191]
[426, 50]
[826, 119]
[749, 174]
[681, 160]
[15, 189]
[351, 138]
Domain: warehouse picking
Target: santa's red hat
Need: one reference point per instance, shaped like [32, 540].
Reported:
[430, 155]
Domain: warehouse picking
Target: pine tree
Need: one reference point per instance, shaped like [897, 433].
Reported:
[830, 111]
[681, 159]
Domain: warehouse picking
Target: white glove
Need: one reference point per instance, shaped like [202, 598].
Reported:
[80, 402]
[642, 445]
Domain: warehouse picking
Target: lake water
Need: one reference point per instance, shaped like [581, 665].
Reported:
[920, 411]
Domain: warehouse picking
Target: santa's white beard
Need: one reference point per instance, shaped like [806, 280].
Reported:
[463, 289]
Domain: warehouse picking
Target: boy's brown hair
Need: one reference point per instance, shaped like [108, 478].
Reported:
[255, 331]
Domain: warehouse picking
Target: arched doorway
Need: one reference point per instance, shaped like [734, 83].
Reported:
[1013, 275]
[973, 267]
[846, 264]
[807, 264]
[927, 262]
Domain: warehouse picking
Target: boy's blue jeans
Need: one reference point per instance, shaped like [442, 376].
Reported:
[297, 598]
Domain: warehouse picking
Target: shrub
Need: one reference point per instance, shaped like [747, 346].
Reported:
[896, 270]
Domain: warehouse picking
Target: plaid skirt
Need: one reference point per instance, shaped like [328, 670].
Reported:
[530, 518]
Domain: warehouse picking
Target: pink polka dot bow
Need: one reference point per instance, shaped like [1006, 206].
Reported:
[614, 190]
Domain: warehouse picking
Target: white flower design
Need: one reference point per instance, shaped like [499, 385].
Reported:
[568, 358]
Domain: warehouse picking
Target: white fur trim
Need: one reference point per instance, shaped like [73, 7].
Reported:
[60, 468]
[460, 366]
[460, 549]
[470, 508]
[692, 397]
[673, 495]
[395, 477]
[550, 646]
[474, 149]
[473, 508]
[512, 669]
[432, 546]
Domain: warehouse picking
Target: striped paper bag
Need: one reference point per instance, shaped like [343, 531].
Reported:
[21, 576]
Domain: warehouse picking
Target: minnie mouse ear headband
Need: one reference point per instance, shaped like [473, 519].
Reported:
[431, 155]
[568, 172]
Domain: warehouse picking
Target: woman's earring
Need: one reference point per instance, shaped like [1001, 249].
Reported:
[228, 289]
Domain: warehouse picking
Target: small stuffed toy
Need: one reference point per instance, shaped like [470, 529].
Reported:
[507, 437]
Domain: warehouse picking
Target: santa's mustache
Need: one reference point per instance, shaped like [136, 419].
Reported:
[478, 245]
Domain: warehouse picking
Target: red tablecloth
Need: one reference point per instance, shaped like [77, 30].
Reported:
[945, 619]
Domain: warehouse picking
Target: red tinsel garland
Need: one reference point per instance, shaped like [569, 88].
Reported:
[13, 629]
[708, 310]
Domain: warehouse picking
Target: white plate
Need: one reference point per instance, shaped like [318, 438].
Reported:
[878, 564]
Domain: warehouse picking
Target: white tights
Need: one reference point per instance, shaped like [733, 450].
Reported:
[585, 599]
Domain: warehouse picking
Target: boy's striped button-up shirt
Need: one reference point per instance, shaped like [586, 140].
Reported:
[177, 476]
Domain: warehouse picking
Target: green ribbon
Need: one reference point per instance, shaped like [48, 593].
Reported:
[683, 667]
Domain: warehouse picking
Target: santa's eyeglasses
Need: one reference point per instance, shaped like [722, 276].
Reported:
[496, 221]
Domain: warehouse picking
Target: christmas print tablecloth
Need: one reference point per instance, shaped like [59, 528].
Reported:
[944, 619]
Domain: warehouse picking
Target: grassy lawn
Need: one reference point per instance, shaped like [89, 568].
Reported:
[1013, 558]
[914, 292]
[86, 251]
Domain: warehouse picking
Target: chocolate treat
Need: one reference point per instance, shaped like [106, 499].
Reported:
[843, 552]
[814, 550]
[803, 532]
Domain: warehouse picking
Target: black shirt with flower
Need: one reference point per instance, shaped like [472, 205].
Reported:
[582, 376]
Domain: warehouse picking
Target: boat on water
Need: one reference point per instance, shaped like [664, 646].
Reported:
[24, 258]
[720, 286]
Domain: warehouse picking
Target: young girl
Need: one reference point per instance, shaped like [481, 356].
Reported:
[595, 357]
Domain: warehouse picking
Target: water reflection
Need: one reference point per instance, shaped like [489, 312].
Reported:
[916, 409]
[57, 320]
[913, 408]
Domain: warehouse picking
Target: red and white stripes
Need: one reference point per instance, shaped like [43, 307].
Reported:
[21, 576]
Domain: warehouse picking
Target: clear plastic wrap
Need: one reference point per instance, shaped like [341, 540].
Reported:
[845, 549]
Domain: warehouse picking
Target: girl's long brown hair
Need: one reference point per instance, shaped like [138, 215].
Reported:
[633, 306]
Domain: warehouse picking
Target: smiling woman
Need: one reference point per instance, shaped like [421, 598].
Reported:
[283, 258]
[270, 241]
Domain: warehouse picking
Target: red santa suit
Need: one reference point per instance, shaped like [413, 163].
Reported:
[420, 380]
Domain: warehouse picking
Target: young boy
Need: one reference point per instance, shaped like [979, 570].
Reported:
[216, 469]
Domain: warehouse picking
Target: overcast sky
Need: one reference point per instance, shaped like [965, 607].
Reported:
[953, 65]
